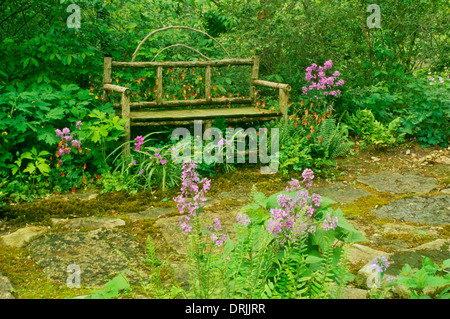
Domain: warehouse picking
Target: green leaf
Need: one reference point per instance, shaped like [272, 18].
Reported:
[55, 114]
[436, 281]
[43, 168]
[30, 168]
[313, 259]
[323, 238]
[446, 263]
[27, 155]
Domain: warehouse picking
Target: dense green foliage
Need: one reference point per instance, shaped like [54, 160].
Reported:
[51, 77]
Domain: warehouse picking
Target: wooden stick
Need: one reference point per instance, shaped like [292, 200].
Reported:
[208, 83]
[183, 64]
[107, 62]
[283, 101]
[272, 84]
[175, 27]
[254, 77]
[125, 102]
[117, 88]
[196, 102]
[189, 122]
[159, 85]
[180, 45]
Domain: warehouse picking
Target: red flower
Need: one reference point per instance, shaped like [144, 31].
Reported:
[84, 166]
[308, 137]
[99, 177]
[84, 179]
[320, 139]
[56, 193]
[73, 190]
[62, 174]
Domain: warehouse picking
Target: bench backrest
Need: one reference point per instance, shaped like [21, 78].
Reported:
[207, 99]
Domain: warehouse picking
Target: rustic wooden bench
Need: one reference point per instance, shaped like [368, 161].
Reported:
[147, 113]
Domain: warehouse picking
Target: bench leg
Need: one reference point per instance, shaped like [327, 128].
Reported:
[283, 100]
[125, 102]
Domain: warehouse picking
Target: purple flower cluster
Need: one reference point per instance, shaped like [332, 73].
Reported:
[215, 227]
[190, 186]
[66, 137]
[295, 216]
[308, 176]
[243, 219]
[162, 160]
[140, 141]
[330, 222]
[78, 125]
[324, 83]
[380, 264]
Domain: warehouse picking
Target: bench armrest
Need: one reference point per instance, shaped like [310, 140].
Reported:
[117, 88]
[270, 84]
[283, 96]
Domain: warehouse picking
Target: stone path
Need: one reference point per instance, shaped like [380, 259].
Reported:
[102, 249]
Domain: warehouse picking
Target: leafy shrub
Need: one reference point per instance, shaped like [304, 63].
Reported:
[145, 167]
[429, 275]
[330, 140]
[428, 114]
[373, 132]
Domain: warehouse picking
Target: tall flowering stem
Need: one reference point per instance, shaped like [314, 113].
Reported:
[191, 187]
[322, 88]
[189, 203]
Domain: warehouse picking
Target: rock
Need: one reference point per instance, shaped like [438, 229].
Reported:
[23, 236]
[408, 152]
[446, 191]
[150, 213]
[400, 228]
[93, 222]
[429, 210]
[360, 253]
[354, 293]
[101, 255]
[438, 244]
[375, 159]
[6, 288]
[342, 193]
[444, 160]
[399, 183]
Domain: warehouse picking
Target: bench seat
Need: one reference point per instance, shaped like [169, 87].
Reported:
[142, 118]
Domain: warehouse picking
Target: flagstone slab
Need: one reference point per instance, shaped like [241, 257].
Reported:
[93, 222]
[428, 210]
[101, 254]
[23, 236]
[342, 193]
[397, 183]
[6, 288]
